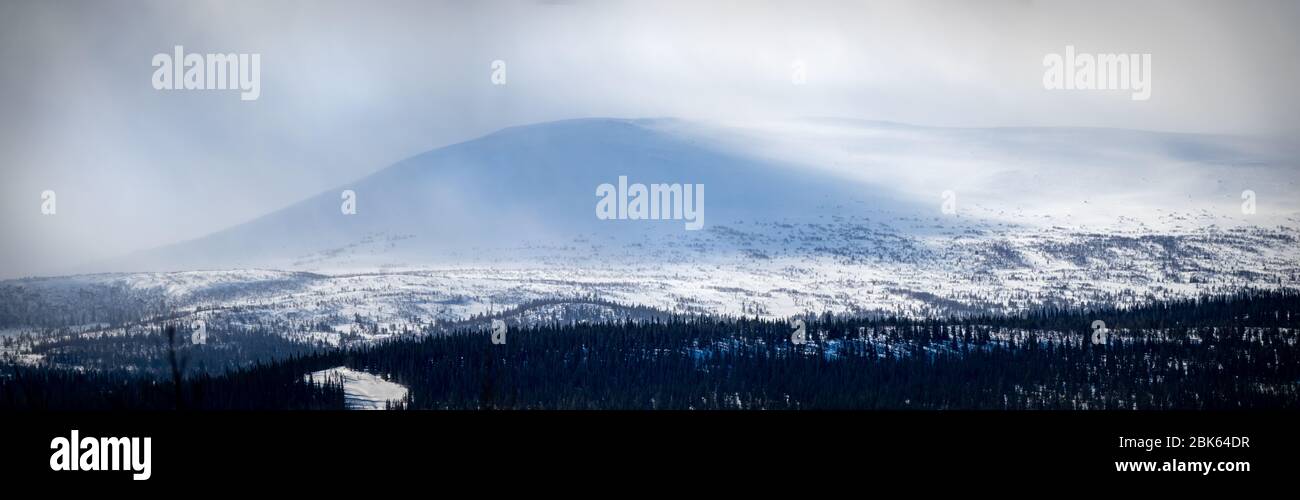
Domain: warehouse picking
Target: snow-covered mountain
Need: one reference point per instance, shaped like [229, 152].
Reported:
[524, 187]
[528, 192]
[799, 216]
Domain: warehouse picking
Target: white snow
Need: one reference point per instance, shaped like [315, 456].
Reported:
[363, 391]
[1043, 216]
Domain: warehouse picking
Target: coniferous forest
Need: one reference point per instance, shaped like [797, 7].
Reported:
[1226, 352]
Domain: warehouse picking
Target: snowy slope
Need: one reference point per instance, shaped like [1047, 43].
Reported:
[801, 216]
[361, 390]
[527, 193]
[520, 187]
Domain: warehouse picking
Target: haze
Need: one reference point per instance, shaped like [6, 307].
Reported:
[348, 88]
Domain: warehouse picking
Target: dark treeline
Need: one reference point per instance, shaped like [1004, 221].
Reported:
[277, 385]
[1254, 308]
[146, 350]
[709, 364]
[1235, 351]
[22, 303]
[1228, 352]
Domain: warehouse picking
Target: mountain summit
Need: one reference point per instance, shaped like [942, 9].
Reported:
[528, 191]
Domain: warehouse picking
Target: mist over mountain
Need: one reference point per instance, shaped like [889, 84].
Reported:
[798, 216]
[524, 193]
[522, 187]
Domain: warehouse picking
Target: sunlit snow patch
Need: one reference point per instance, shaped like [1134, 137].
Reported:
[361, 390]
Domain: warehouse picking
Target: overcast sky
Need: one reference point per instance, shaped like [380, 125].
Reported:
[350, 87]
